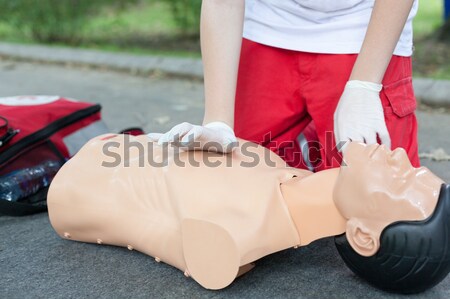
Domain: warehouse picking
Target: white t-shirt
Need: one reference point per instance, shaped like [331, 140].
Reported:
[317, 26]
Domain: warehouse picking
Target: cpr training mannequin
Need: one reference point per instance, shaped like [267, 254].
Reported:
[217, 213]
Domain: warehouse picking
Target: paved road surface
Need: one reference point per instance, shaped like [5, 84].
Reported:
[35, 263]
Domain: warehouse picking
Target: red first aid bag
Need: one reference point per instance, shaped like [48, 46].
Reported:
[38, 133]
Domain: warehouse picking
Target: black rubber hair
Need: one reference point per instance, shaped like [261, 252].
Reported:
[414, 255]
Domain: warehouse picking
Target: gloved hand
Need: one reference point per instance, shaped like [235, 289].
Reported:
[359, 115]
[215, 136]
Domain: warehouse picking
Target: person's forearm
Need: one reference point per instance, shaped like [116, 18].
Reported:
[221, 38]
[386, 25]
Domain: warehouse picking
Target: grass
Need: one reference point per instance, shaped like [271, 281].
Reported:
[146, 28]
[149, 29]
[429, 17]
[143, 29]
[146, 18]
[431, 57]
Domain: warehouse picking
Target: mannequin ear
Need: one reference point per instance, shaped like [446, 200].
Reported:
[361, 238]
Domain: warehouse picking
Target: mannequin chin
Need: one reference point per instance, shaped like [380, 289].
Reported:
[211, 215]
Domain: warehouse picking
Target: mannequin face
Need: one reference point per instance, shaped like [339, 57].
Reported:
[378, 187]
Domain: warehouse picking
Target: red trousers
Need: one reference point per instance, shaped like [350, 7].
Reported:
[282, 93]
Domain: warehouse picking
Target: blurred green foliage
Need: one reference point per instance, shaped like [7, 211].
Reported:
[69, 21]
[168, 27]
[53, 20]
[74, 22]
[429, 18]
[186, 14]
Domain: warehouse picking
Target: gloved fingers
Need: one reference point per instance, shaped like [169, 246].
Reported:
[337, 139]
[337, 135]
[175, 133]
[187, 139]
[164, 138]
[216, 136]
[343, 138]
[191, 137]
[356, 137]
[154, 136]
[385, 138]
[336, 127]
[371, 138]
[179, 131]
[343, 145]
[228, 140]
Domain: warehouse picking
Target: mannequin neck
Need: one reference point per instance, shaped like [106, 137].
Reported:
[311, 205]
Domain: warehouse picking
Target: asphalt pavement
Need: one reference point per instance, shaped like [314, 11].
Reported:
[36, 263]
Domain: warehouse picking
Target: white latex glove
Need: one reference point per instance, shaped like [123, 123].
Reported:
[359, 115]
[215, 136]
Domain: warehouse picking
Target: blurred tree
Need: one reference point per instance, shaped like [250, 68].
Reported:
[444, 34]
[53, 20]
[186, 14]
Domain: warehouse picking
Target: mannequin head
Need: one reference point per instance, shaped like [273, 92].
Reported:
[377, 187]
[398, 220]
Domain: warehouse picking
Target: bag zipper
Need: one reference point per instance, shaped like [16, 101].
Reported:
[46, 132]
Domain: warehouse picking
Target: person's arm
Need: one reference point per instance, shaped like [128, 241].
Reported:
[359, 115]
[222, 23]
[221, 38]
[385, 27]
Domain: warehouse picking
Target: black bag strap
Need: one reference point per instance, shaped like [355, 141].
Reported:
[6, 133]
[134, 131]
